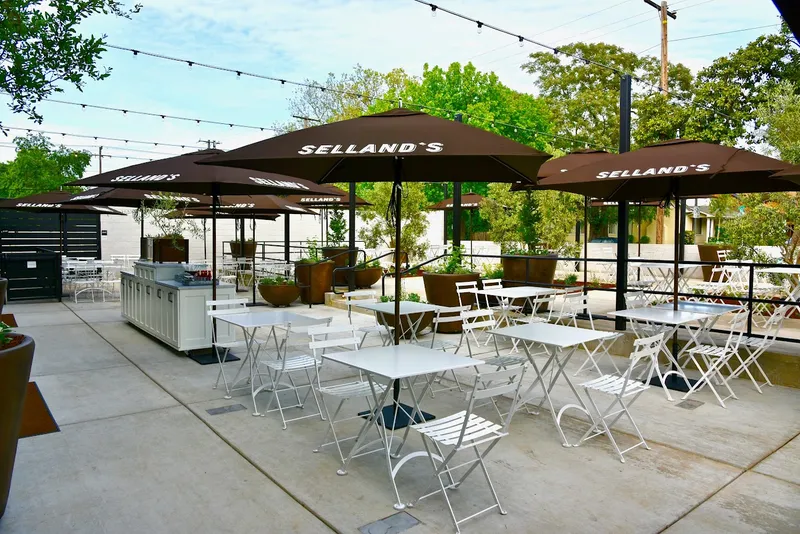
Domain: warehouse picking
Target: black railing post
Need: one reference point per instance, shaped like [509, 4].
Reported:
[457, 204]
[351, 277]
[751, 279]
[622, 207]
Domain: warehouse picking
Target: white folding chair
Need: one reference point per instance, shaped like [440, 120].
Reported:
[466, 431]
[714, 359]
[215, 308]
[754, 347]
[86, 277]
[285, 366]
[574, 305]
[504, 307]
[444, 315]
[344, 337]
[467, 288]
[484, 320]
[353, 298]
[624, 390]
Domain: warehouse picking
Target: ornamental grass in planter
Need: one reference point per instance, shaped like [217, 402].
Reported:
[278, 291]
[16, 357]
[440, 286]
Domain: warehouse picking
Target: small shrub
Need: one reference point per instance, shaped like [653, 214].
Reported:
[644, 239]
[571, 280]
[275, 281]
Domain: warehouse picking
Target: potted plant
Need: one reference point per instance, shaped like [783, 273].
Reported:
[709, 252]
[425, 322]
[367, 274]
[278, 291]
[169, 245]
[314, 274]
[16, 357]
[335, 247]
[521, 266]
[440, 285]
[243, 250]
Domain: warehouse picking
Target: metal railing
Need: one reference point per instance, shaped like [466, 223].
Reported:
[407, 269]
[352, 268]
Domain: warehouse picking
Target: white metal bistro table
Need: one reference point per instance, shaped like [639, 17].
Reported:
[714, 309]
[396, 363]
[510, 294]
[560, 343]
[250, 322]
[663, 275]
[674, 378]
[407, 309]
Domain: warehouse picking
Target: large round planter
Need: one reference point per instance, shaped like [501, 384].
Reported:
[15, 371]
[340, 258]
[709, 253]
[366, 278]
[314, 280]
[3, 292]
[539, 270]
[440, 289]
[427, 319]
[279, 295]
[246, 251]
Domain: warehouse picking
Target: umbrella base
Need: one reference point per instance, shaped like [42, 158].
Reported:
[673, 382]
[209, 357]
[402, 420]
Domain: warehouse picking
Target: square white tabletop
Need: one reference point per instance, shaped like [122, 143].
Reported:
[518, 292]
[709, 308]
[669, 266]
[406, 307]
[554, 335]
[260, 319]
[402, 361]
[780, 270]
[660, 315]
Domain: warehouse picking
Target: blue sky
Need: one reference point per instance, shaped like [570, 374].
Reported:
[306, 40]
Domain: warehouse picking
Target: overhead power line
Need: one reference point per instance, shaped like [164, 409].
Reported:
[577, 57]
[712, 35]
[97, 137]
[113, 156]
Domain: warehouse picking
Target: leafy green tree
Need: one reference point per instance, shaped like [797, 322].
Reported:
[40, 167]
[337, 228]
[380, 232]
[780, 115]
[41, 46]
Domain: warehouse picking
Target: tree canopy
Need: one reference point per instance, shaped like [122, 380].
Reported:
[40, 167]
[41, 46]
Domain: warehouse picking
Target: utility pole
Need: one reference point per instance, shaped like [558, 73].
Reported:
[664, 12]
[100, 158]
[210, 143]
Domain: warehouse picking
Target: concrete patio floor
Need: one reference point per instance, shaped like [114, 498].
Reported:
[139, 452]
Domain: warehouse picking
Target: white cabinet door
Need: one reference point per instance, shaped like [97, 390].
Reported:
[157, 311]
[169, 317]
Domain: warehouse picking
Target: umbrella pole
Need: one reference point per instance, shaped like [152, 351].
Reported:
[676, 251]
[398, 199]
[253, 273]
[585, 243]
[214, 205]
[639, 238]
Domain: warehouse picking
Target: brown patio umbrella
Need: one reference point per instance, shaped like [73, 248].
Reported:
[791, 173]
[656, 172]
[179, 174]
[54, 202]
[334, 197]
[677, 168]
[133, 198]
[574, 159]
[397, 146]
[469, 202]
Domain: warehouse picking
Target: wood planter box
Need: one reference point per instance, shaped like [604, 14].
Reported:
[440, 289]
[366, 278]
[314, 280]
[539, 271]
[279, 295]
[341, 260]
[15, 371]
[246, 251]
[709, 253]
[170, 250]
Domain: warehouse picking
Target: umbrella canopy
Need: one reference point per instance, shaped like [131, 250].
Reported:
[246, 205]
[790, 173]
[133, 198]
[692, 168]
[574, 159]
[365, 150]
[179, 174]
[205, 213]
[54, 202]
[336, 197]
[469, 201]
[397, 146]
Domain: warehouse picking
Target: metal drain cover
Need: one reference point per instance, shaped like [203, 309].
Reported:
[226, 409]
[398, 522]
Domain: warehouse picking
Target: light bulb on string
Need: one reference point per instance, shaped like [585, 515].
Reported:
[521, 41]
[433, 11]
[480, 28]
[190, 64]
[238, 75]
